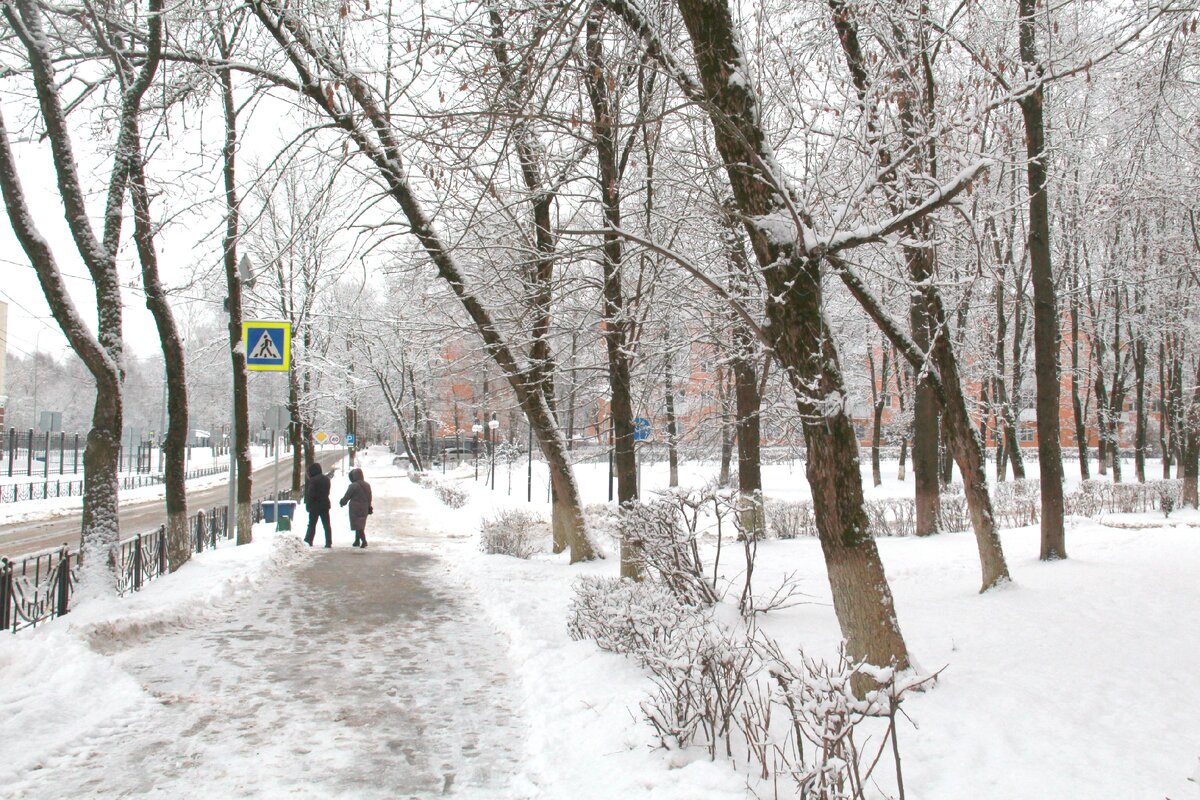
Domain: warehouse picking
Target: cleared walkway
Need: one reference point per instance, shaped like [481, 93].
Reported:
[356, 676]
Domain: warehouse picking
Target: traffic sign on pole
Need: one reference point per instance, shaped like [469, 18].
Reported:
[320, 436]
[268, 345]
[350, 440]
[335, 439]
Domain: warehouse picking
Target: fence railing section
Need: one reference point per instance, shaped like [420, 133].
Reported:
[38, 588]
[73, 487]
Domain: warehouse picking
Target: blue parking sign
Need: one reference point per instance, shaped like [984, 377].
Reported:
[350, 439]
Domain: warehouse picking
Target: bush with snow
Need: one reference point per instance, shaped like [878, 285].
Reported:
[512, 532]
[450, 493]
[641, 619]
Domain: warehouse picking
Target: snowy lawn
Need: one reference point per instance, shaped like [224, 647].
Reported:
[1076, 682]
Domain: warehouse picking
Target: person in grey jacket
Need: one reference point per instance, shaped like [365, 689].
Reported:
[358, 495]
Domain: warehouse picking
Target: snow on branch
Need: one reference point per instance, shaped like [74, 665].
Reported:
[940, 197]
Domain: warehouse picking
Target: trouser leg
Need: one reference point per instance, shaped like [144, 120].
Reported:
[312, 528]
[328, 529]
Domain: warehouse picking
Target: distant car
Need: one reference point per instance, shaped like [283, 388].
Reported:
[452, 454]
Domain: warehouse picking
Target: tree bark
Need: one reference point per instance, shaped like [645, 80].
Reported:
[616, 322]
[237, 349]
[179, 539]
[1081, 442]
[877, 401]
[669, 402]
[1045, 301]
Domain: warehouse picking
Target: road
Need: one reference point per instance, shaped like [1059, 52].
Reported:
[31, 536]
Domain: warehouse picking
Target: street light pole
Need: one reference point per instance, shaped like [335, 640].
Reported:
[476, 428]
[493, 424]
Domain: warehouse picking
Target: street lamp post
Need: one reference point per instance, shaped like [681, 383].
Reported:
[476, 429]
[493, 424]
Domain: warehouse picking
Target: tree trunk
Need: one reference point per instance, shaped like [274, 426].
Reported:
[1045, 301]
[617, 339]
[728, 430]
[877, 396]
[237, 350]
[672, 421]
[962, 441]
[1081, 442]
[803, 344]
[539, 280]
[295, 430]
[925, 407]
[1139, 408]
[179, 538]
[1189, 462]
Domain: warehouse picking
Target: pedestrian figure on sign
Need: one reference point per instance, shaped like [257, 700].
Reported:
[316, 502]
[358, 495]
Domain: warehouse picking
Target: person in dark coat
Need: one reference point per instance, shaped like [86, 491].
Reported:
[316, 502]
[358, 495]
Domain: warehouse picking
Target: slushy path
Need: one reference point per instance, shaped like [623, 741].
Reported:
[357, 675]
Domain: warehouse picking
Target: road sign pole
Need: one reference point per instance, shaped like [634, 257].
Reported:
[231, 516]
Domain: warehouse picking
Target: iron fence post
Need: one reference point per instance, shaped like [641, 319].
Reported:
[162, 550]
[137, 562]
[64, 581]
[6, 593]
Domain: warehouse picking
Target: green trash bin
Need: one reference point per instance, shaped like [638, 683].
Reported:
[286, 509]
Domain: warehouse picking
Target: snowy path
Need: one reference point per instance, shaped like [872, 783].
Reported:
[355, 676]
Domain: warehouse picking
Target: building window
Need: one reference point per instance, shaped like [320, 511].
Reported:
[1025, 433]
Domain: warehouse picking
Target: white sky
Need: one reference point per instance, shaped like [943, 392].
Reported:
[188, 248]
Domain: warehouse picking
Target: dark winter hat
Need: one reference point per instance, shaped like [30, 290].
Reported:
[356, 475]
[314, 470]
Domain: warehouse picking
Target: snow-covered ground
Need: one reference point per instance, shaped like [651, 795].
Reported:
[1075, 682]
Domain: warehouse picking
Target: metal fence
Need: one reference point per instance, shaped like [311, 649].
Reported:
[31, 453]
[73, 487]
[38, 588]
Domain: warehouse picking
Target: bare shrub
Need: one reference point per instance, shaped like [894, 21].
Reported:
[416, 476]
[640, 619]
[449, 493]
[790, 519]
[666, 549]
[822, 756]
[1017, 503]
[512, 532]
[699, 689]
[954, 514]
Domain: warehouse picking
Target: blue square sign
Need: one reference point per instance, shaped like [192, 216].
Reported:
[268, 345]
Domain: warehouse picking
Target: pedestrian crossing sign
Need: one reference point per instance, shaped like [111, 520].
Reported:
[268, 345]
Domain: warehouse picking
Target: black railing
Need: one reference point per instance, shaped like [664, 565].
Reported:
[50, 489]
[38, 588]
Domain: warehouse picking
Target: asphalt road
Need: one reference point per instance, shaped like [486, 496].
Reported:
[31, 536]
